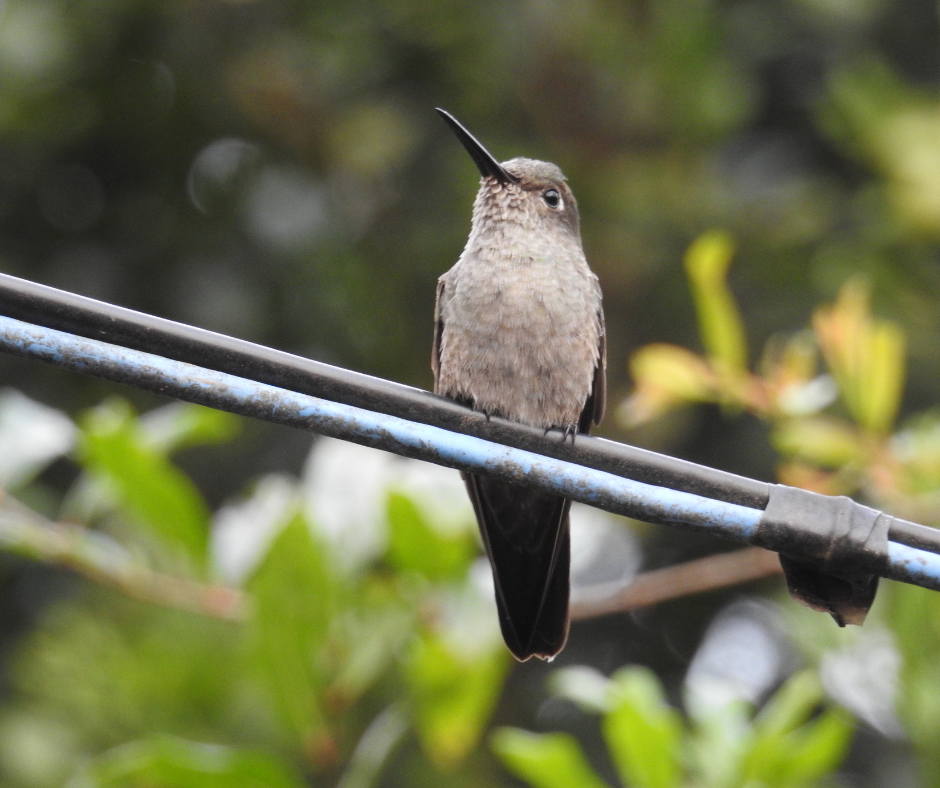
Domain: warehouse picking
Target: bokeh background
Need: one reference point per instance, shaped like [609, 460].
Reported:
[274, 170]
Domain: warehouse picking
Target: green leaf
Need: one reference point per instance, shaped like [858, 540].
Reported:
[374, 747]
[819, 749]
[721, 737]
[152, 490]
[787, 750]
[790, 706]
[550, 760]
[866, 356]
[914, 614]
[415, 546]
[181, 424]
[454, 696]
[295, 599]
[884, 381]
[169, 762]
[374, 633]
[642, 732]
[706, 264]
[826, 441]
[665, 377]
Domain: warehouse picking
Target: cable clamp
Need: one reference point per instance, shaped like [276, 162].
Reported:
[832, 549]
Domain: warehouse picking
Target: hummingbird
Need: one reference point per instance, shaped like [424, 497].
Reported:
[519, 333]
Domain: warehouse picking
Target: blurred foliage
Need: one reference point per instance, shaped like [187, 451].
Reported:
[832, 428]
[835, 432]
[302, 672]
[164, 761]
[273, 169]
[785, 744]
[159, 495]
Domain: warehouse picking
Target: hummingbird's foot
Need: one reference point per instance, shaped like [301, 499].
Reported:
[567, 430]
[471, 403]
[481, 410]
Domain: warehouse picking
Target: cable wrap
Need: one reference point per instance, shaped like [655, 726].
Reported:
[832, 549]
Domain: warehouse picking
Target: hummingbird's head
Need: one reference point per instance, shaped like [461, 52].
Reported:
[521, 191]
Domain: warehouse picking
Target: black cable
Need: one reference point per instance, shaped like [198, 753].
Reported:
[86, 317]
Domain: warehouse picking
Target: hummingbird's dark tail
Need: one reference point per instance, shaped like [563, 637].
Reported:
[526, 536]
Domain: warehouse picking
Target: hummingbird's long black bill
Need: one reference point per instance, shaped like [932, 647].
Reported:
[489, 167]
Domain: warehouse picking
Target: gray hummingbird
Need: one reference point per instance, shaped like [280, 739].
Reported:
[519, 333]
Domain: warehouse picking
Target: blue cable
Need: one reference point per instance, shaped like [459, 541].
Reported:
[410, 439]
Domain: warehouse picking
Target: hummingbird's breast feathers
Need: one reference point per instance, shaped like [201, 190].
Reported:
[521, 310]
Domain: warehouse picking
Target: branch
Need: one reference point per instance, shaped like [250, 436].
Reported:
[97, 557]
[692, 577]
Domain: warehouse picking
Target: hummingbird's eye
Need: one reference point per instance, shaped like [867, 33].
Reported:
[552, 198]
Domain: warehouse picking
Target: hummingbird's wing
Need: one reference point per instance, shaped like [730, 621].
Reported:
[438, 332]
[597, 402]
